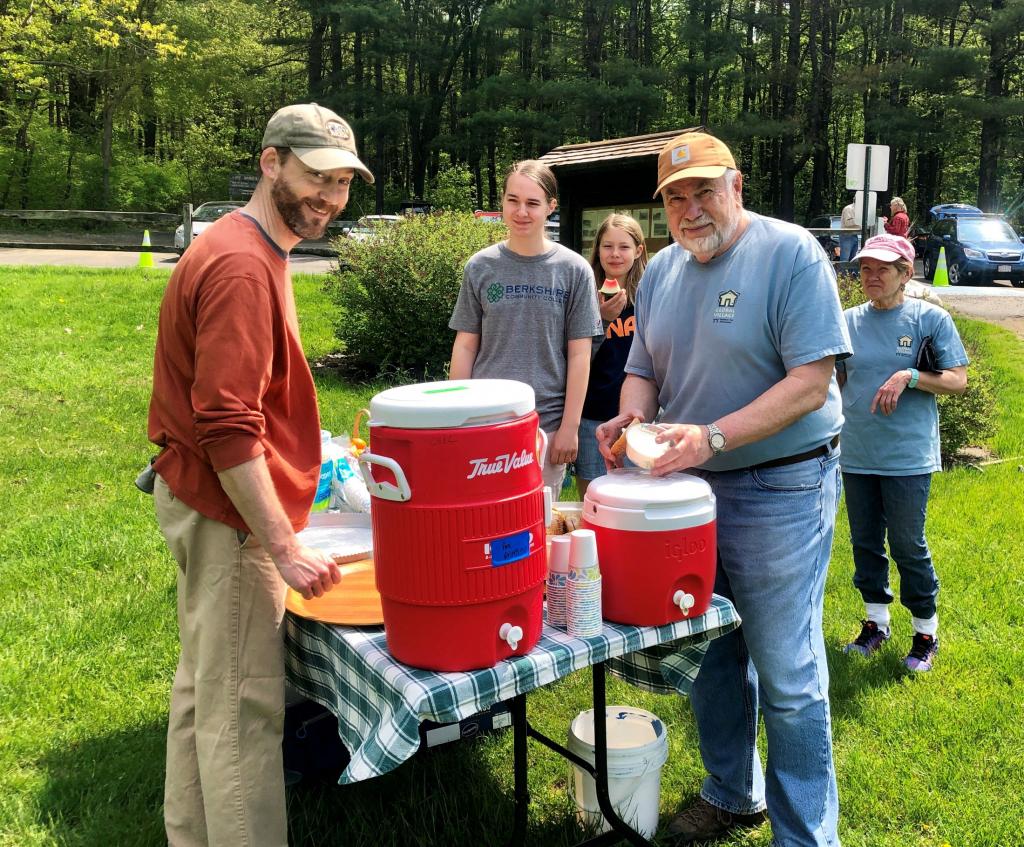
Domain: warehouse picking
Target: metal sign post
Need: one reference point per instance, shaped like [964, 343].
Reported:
[867, 167]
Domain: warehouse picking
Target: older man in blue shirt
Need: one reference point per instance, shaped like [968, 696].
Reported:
[738, 329]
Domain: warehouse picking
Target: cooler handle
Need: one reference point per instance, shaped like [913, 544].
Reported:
[542, 436]
[384, 490]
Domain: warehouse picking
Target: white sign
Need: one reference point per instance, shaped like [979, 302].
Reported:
[855, 158]
[858, 207]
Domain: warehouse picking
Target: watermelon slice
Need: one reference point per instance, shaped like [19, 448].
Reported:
[610, 287]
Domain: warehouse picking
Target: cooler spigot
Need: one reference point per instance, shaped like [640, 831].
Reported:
[512, 634]
[684, 601]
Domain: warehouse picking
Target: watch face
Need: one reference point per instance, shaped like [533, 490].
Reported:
[717, 440]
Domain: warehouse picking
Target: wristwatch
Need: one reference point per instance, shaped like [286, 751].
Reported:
[716, 439]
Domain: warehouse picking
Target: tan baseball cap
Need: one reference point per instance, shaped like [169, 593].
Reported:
[693, 154]
[320, 139]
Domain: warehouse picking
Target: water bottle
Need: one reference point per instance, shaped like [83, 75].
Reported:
[350, 492]
[322, 498]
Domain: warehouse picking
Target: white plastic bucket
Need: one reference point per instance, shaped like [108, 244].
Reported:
[637, 749]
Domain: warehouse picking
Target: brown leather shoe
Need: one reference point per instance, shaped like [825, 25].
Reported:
[702, 822]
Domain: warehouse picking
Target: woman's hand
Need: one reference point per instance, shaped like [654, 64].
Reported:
[564, 446]
[613, 306]
[888, 395]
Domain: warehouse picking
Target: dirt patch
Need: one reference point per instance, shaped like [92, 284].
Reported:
[1005, 311]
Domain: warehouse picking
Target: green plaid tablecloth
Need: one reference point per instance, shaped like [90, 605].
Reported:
[380, 703]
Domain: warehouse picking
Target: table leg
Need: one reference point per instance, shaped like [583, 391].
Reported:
[619, 826]
[520, 728]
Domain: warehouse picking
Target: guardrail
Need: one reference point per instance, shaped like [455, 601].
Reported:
[87, 215]
[141, 219]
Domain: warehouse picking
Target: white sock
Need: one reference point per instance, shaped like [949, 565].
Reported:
[879, 613]
[926, 626]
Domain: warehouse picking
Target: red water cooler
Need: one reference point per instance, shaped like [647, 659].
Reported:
[458, 521]
[656, 545]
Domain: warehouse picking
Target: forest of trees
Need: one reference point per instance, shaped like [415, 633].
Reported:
[144, 104]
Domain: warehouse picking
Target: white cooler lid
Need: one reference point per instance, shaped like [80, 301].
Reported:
[451, 403]
[626, 498]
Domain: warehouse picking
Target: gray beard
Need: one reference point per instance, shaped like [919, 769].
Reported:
[709, 245]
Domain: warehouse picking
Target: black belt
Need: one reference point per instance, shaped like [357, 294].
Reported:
[799, 457]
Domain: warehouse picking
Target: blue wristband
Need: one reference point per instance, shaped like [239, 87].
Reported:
[915, 375]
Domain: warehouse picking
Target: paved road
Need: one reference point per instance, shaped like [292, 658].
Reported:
[115, 259]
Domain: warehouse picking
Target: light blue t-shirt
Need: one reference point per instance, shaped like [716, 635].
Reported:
[885, 341]
[717, 335]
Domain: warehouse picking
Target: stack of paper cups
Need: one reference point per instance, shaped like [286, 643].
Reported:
[558, 576]
[583, 594]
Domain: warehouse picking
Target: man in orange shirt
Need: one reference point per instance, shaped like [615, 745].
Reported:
[234, 411]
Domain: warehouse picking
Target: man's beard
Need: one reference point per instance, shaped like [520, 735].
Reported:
[293, 211]
[709, 245]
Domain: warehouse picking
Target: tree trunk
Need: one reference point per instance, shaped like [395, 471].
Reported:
[789, 166]
[992, 125]
[315, 54]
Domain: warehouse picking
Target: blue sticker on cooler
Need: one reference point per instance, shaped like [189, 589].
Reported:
[512, 548]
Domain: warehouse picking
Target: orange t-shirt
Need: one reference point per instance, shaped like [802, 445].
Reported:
[230, 380]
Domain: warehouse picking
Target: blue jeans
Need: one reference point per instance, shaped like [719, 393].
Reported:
[893, 506]
[775, 529]
[848, 247]
[589, 461]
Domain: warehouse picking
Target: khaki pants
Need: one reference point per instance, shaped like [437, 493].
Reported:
[225, 778]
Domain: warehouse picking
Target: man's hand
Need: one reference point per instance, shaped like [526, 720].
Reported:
[888, 395]
[309, 571]
[608, 433]
[564, 446]
[688, 448]
[613, 306]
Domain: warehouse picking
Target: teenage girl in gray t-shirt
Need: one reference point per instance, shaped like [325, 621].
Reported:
[527, 310]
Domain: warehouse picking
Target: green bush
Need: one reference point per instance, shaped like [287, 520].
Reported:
[396, 292]
[966, 419]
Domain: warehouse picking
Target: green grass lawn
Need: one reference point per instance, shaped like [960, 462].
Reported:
[89, 641]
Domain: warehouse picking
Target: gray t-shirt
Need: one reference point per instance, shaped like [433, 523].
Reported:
[717, 335]
[906, 442]
[526, 309]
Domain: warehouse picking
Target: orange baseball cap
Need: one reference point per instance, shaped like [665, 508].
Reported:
[693, 154]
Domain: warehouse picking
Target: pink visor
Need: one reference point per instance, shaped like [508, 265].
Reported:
[886, 248]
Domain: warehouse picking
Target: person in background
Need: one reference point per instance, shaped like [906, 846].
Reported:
[619, 253]
[899, 223]
[527, 310]
[891, 443]
[848, 241]
[738, 325]
[234, 410]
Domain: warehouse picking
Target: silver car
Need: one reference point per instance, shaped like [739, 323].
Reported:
[202, 217]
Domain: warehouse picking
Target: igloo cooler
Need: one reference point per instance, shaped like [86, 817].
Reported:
[457, 508]
[655, 544]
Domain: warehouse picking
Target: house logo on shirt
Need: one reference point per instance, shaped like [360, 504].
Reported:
[903, 345]
[726, 311]
[494, 292]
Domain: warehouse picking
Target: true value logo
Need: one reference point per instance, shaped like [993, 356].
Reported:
[505, 463]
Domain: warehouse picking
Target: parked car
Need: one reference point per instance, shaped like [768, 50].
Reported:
[368, 225]
[829, 242]
[953, 210]
[979, 250]
[202, 217]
